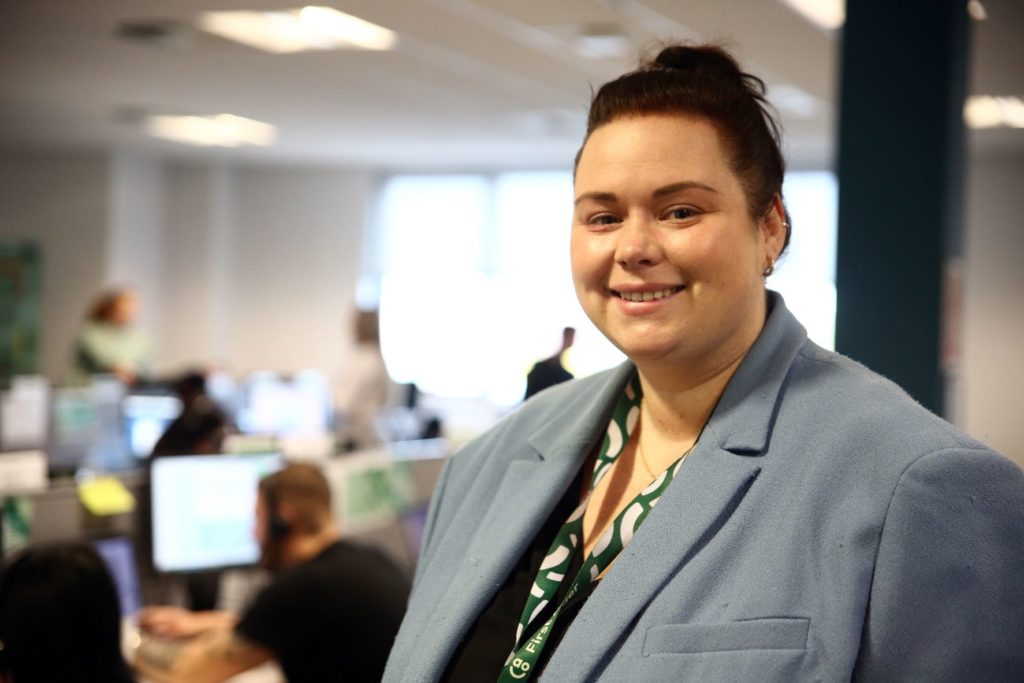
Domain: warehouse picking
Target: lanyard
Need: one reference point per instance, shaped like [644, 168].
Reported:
[522, 662]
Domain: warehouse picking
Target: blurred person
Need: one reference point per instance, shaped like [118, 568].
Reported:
[60, 619]
[733, 502]
[330, 612]
[550, 371]
[202, 425]
[109, 342]
[200, 429]
[363, 388]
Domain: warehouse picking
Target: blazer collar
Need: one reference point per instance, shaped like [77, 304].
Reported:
[710, 486]
[574, 429]
[742, 421]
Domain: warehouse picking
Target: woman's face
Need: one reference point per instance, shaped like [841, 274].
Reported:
[666, 259]
[125, 309]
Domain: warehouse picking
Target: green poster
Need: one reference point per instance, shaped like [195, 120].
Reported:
[20, 305]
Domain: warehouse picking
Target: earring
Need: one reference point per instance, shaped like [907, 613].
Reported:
[770, 268]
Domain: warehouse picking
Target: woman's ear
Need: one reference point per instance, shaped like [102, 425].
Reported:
[774, 227]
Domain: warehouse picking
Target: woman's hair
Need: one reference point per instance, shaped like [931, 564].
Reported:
[367, 327]
[105, 303]
[705, 81]
[60, 618]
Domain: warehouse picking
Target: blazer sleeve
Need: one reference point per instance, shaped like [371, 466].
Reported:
[947, 595]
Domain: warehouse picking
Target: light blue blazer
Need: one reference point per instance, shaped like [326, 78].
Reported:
[825, 528]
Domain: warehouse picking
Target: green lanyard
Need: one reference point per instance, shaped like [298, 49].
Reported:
[523, 660]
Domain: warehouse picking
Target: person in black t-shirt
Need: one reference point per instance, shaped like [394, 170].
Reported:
[550, 371]
[330, 613]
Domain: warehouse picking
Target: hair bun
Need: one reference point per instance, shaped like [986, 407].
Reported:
[709, 61]
[705, 58]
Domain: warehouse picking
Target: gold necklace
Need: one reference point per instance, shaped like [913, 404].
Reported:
[643, 458]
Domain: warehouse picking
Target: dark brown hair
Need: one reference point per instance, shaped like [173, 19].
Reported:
[705, 81]
[60, 619]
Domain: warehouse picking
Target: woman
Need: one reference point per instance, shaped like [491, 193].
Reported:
[60, 619]
[733, 503]
[361, 392]
[109, 342]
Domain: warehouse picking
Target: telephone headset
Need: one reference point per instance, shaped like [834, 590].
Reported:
[277, 526]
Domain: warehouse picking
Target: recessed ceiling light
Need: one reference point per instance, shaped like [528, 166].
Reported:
[977, 10]
[985, 111]
[827, 14]
[218, 130]
[297, 30]
[603, 42]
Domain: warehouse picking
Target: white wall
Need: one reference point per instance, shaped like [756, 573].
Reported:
[61, 201]
[135, 245]
[196, 266]
[240, 267]
[993, 350]
[262, 266]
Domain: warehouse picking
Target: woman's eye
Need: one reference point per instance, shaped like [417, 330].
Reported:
[604, 219]
[680, 213]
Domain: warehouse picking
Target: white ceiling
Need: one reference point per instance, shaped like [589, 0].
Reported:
[473, 83]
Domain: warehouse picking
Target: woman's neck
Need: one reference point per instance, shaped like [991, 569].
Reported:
[676, 406]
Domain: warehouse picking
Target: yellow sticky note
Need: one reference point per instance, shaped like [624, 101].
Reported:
[104, 496]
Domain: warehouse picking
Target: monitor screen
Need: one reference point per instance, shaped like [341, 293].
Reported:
[74, 428]
[119, 556]
[146, 418]
[204, 509]
[300, 405]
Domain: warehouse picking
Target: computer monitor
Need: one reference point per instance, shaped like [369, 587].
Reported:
[75, 426]
[118, 554]
[296, 406]
[203, 510]
[146, 418]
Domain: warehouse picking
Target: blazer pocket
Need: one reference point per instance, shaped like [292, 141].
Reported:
[778, 633]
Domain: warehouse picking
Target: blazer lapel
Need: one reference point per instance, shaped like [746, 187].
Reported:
[709, 487]
[699, 502]
[530, 488]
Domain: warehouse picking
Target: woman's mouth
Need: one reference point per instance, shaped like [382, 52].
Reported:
[652, 295]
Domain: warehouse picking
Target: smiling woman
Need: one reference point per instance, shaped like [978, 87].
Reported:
[734, 502]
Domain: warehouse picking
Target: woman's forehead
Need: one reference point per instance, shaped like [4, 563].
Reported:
[655, 149]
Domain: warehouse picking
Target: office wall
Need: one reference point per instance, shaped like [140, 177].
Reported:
[993, 354]
[61, 201]
[240, 267]
[262, 265]
[135, 245]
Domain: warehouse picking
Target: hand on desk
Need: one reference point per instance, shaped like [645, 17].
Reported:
[175, 622]
[193, 647]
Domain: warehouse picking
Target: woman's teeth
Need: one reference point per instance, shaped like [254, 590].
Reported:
[649, 296]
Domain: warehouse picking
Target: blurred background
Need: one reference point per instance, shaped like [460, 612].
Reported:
[257, 174]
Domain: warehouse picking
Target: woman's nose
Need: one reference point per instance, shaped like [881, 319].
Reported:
[638, 245]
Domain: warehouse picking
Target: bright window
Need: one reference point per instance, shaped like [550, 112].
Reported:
[472, 276]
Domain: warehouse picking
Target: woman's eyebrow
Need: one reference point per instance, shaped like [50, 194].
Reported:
[660, 192]
[685, 185]
[596, 196]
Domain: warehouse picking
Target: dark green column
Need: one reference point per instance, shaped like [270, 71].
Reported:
[900, 167]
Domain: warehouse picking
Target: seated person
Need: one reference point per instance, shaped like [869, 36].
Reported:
[201, 426]
[60, 619]
[331, 611]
